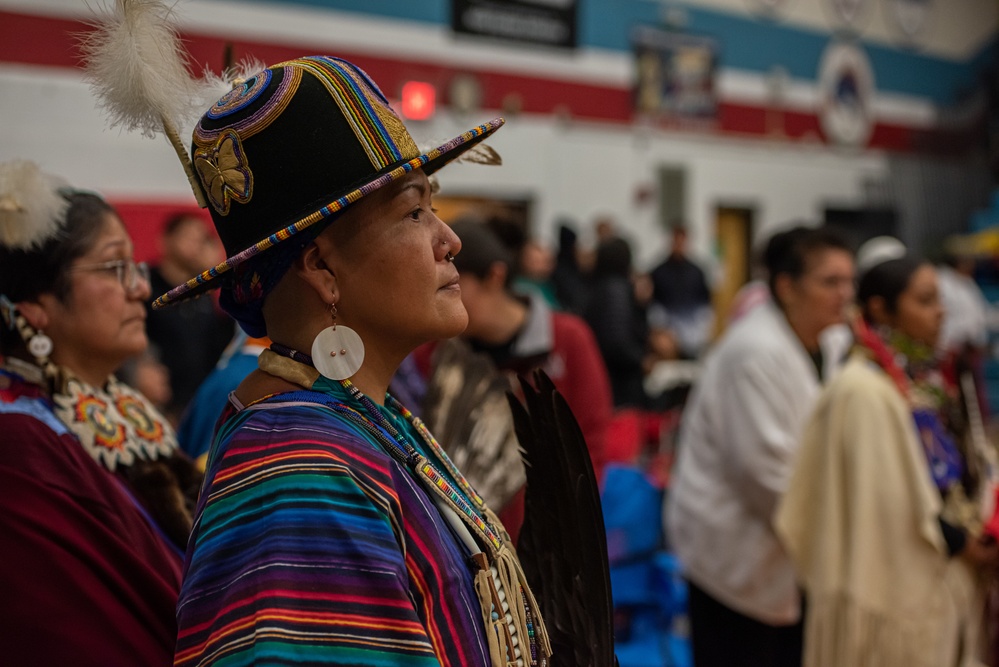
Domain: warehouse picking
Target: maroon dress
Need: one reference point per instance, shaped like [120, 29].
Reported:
[85, 576]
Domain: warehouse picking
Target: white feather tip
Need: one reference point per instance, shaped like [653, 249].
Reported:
[32, 209]
[137, 67]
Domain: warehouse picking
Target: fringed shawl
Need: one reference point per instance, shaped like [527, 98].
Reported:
[860, 523]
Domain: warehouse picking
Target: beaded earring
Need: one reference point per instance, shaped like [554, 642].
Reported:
[39, 345]
[337, 352]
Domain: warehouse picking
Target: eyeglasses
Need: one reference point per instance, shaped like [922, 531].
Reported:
[129, 272]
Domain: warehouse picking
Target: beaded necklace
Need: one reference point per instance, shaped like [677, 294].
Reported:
[932, 398]
[468, 503]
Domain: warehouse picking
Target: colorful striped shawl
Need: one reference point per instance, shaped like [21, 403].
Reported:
[313, 546]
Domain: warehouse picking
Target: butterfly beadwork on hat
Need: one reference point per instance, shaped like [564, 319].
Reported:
[225, 173]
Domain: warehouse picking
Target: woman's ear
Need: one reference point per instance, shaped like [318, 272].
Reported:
[34, 313]
[312, 269]
[784, 289]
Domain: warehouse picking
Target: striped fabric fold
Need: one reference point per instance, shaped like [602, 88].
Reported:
[313, 546]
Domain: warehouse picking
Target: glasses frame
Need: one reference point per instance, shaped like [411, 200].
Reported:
[128, 271]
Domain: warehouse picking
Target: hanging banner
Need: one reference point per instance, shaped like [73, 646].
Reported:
[846, 90]
[675, 74]
[910, 15]
[544, 22]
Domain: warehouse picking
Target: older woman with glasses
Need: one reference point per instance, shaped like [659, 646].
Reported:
[96, 499]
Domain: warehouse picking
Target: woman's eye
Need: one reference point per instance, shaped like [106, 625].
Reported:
[415, 215]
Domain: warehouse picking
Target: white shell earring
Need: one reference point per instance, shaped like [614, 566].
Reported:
[40, 347]
[337, 351]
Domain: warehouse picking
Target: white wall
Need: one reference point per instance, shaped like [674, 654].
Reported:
[585, 170]
[566, 168]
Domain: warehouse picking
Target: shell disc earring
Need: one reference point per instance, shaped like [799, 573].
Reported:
[337, 351]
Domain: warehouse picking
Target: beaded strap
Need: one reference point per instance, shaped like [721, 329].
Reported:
[438, 451]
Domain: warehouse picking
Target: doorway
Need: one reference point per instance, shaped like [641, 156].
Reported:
[733, 248]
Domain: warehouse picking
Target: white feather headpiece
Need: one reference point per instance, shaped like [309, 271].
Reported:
[32, 208]
[137, 66]
[138, 69]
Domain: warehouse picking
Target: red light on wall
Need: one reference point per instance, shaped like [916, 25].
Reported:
[419, 100]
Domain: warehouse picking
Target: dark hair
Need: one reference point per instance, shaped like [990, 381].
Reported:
[481, 248]
[887, 280]
[26, 274]
[787, 253]
[613, 258]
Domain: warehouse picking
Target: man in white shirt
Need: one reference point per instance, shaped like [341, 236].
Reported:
[965, 308]
[740, 434]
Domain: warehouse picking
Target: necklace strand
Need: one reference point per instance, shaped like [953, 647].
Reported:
[378, 425]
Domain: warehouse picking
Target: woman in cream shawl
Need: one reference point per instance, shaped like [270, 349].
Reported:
[883, 517]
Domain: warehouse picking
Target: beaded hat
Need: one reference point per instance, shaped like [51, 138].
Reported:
[293, 145]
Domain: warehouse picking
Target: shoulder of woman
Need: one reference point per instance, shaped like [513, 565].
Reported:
[300, 428]
[864, 386]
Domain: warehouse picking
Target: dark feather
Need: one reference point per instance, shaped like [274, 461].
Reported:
[466, 409]
[562, 545]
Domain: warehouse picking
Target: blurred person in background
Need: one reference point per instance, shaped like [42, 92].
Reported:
[884, 513]
[965, 329]
[518, 332]
[532, 263]
[192, 336]
[681, 298]
[604, 229]
[571, 284]
[147, 374]
[965, 326]
[96, 499]
[618, 321]
[738, 441]
[197, 426]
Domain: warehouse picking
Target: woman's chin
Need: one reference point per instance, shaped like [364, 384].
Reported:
[455, 324]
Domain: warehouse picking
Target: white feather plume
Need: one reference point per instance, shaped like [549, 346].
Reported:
[138, 68]
[32, 208]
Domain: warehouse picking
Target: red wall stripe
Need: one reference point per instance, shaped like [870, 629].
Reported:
[41, 40]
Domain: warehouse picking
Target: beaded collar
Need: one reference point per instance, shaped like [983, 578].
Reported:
[115, 424]
[928, 386]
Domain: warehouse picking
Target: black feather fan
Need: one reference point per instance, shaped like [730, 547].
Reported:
[562, 545]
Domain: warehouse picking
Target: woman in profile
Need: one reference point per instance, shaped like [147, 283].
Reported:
[96, 499]
[331, 528]
[884, 515]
